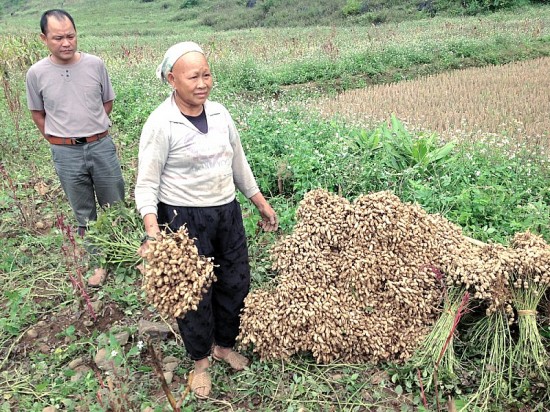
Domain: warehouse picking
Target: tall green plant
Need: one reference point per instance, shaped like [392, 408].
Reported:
[352, 7]
[403, 150]
[17, 53]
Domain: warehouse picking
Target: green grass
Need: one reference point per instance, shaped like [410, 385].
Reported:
[273, 60]
[263, 75]
[172, 15]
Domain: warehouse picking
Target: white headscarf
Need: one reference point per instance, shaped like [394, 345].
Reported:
[173, 54]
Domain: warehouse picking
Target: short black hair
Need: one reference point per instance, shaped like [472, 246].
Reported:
[58, 14]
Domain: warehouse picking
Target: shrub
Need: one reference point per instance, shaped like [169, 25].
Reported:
[480, 6]
[248, 76]
[189, 3]
[352, 8]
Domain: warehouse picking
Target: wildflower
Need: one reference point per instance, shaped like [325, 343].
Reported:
[140, 345]
[113, 353]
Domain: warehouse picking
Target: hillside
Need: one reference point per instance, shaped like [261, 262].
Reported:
[173, 15]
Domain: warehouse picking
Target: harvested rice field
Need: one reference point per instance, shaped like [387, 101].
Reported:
[512, 100]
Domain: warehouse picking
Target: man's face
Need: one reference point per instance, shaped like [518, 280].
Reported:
[60, 39]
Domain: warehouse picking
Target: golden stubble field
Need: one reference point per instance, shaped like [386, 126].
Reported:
[512, 101]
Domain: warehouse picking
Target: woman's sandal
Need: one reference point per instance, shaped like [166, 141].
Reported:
[237, 361]
[201, 381]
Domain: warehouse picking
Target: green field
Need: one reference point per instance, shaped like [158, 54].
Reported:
[266, 74]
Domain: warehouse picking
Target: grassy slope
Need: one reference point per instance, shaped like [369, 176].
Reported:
[137, 16]
[102, 16]
[287, 56]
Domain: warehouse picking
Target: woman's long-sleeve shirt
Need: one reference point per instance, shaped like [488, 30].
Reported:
[180, 166]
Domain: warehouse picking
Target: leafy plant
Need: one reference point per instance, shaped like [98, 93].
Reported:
[20, 312]
[368, 143]
[352, 7]
[117, 393]
[126, 295]
[24, 204]
[404, 150]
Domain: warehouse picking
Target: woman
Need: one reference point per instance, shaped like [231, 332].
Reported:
[190, 163]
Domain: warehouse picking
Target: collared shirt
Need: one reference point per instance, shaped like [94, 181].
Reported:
[72, 95]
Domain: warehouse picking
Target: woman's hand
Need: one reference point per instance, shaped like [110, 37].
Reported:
[269, 222]
[151, 232]
[142, 250]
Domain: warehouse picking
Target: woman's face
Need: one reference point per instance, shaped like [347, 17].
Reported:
[192, 81]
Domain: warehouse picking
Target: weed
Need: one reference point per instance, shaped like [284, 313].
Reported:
[72, 258]
[25, 207]
[13, 99]
[20, 312]
[115, 392]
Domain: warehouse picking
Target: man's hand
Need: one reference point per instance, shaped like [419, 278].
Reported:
[39, 119]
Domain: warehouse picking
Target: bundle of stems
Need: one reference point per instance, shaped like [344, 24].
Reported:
[118, 248]
[531, 279]
[492, 334]
[116, 236]
[435, 355]
[530, 356]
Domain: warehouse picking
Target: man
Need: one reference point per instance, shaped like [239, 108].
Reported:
[70, 97]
